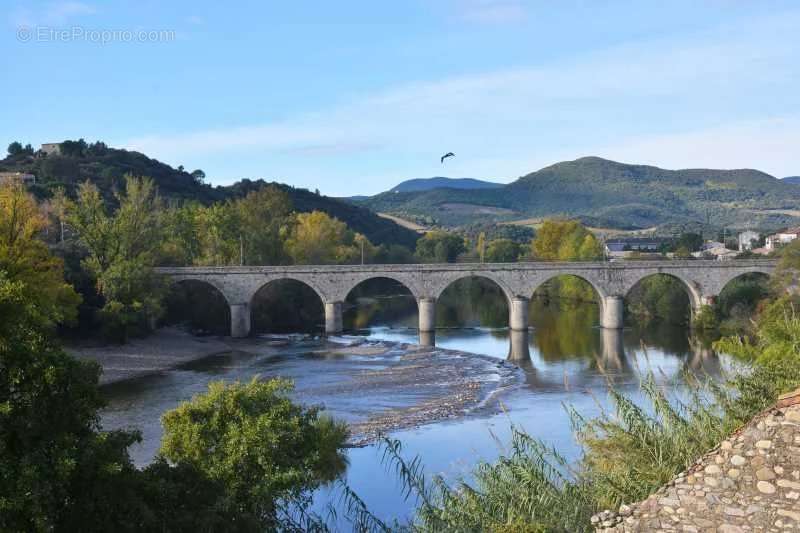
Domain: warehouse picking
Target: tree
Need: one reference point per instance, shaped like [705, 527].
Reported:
[439, 247]
[198, 175]
[264, 216]
[317, 239]
[565, 240]
[15, 148]
[690, 241]
[123, 249]
[74, 148]
[502, 251]
[480, 246]
[251, 438]
[219, 235]
[59, 207]
[25, 259]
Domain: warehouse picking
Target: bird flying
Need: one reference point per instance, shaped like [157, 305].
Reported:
[445, 156]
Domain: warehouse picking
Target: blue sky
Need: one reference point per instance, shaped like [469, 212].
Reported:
[352, 97]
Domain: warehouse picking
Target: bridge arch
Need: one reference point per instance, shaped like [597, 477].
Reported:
[199, 303]
[598, 289]
[345, 289]
[380, 287]
[485, 312]
[285, 304]
[437, 291]
[693, 289]
[724, 281]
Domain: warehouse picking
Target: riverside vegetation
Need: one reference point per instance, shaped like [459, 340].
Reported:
[60, 471]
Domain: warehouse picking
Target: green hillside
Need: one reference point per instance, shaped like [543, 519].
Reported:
[611, 194]
[106, 167]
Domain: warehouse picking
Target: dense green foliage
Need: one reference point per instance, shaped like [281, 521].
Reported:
[659, 297]
[267, 452]
[439, 247]
[122, 250]
[107, 167]
[608, 194]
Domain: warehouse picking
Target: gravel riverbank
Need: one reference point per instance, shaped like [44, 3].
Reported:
[379, 387]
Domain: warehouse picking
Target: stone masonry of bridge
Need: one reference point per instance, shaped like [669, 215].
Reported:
[703, 280]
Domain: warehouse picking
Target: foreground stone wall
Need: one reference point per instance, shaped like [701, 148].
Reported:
[750, 482]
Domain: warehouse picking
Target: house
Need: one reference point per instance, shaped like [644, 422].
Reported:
[710, 245]
[620, 247]
[720, 253]
[747, 239]
[51, 149]
[9, 177]
[776, 240]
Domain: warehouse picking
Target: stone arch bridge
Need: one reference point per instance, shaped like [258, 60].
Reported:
[703, 280]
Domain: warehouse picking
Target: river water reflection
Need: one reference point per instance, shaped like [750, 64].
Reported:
[567, 360]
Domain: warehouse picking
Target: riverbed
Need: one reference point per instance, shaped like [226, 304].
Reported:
[520, 379]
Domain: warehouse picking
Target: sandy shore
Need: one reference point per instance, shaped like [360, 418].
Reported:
[425, 384]
[164, 349]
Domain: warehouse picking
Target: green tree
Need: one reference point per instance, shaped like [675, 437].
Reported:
[439, 247]
[692, 242]
[15, 148]
[74, 148]
[198, 175]
[480, 246]
[565, 240]
[25, 259]
[122, 250]
[266, 451]
[264, 217]
[318, 239]
[502, 251]
[219, 235]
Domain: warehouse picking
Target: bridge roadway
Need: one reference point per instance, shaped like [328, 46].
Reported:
[703, 279]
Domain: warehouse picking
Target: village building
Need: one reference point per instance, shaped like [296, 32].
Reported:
[621, 247]
[748, 240]
[51, 149]
[781, 238]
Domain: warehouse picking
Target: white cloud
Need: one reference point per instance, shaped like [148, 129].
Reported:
[694, 104]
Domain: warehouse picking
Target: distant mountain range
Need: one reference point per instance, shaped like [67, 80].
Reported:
[106, 168]
[795, 180]
[606, 193]
[427, 184]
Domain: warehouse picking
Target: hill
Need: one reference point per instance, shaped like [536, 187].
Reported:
[794, 180]
[609, 194]
[106, 167]
[426, 184]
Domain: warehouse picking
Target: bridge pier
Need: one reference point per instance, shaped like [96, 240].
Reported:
[240, 320]
[333, 317]
[427, 314]
[518, 314]
[612, 312]
[519, 349]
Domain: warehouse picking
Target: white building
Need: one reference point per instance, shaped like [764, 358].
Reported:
[747, 239]
[51, 148]
[782, 238]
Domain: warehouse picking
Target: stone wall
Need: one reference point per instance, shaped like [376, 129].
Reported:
[750, 482]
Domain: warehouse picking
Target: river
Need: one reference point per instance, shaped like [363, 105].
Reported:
[565, 359]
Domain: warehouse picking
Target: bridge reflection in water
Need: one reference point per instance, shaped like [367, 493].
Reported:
[612, 359]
